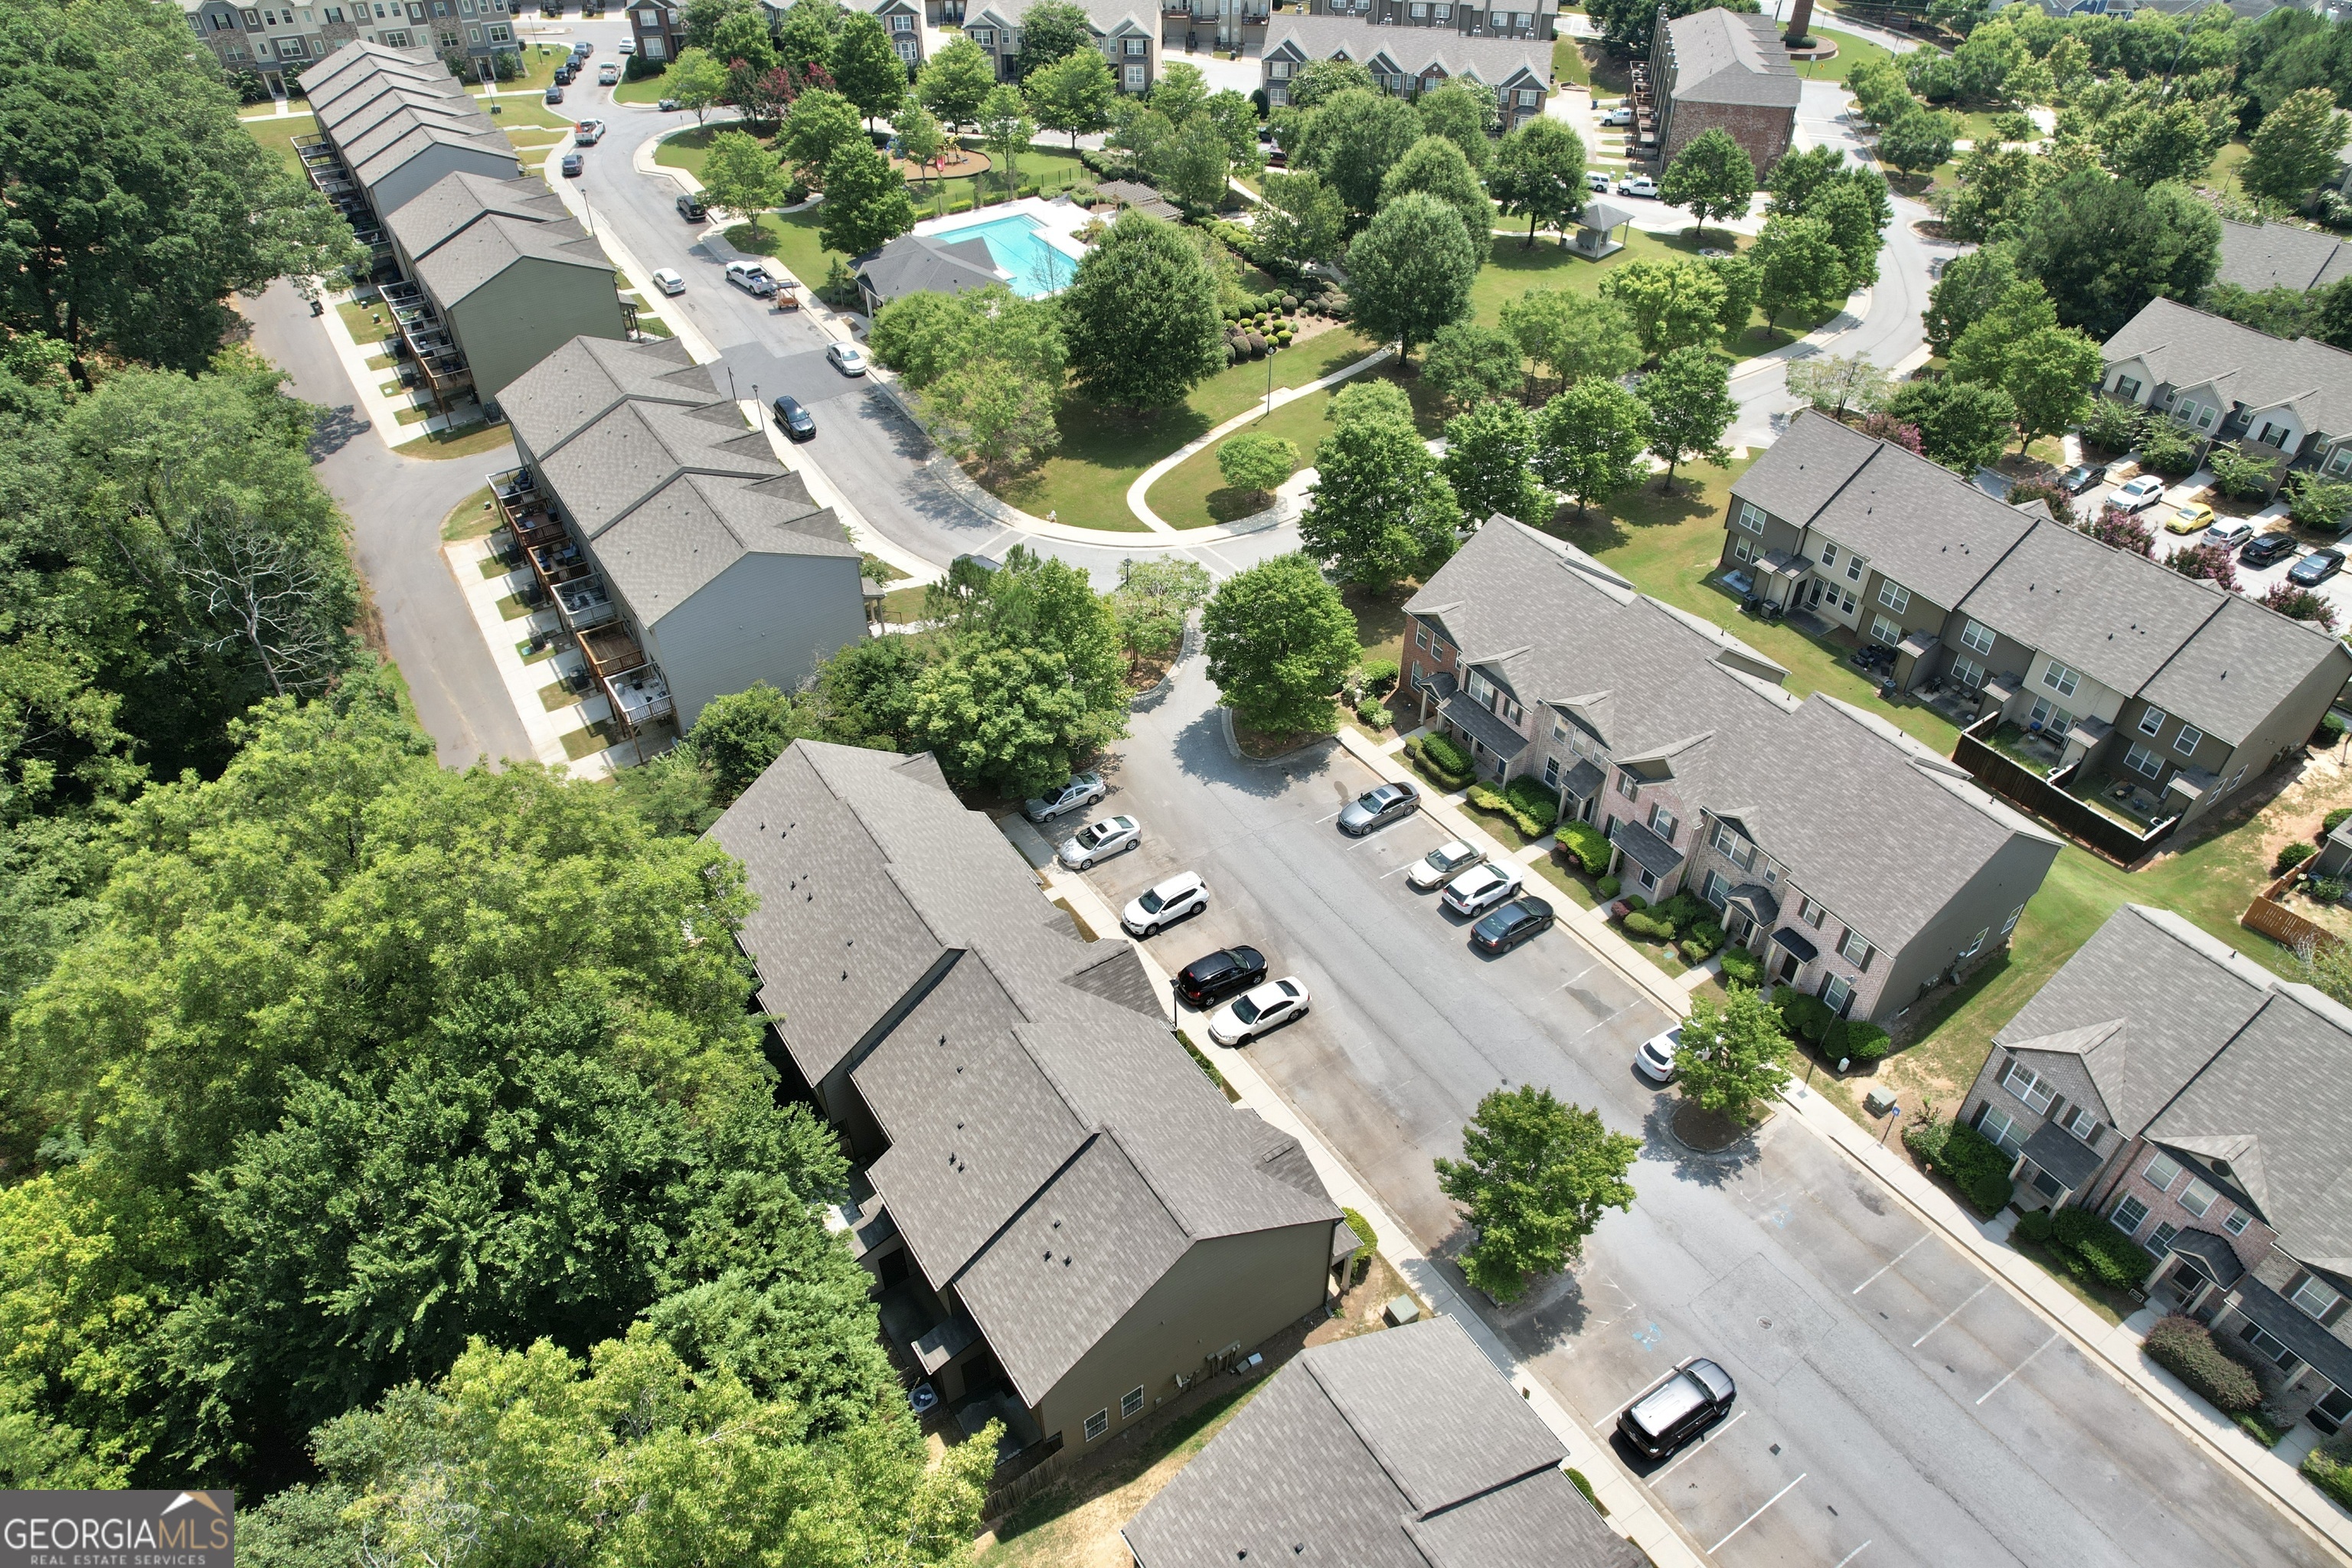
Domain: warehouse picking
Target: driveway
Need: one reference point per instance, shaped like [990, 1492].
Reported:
[1896, 1405]
[2254, 582]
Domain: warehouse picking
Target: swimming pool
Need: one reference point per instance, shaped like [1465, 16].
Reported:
[1018, 245]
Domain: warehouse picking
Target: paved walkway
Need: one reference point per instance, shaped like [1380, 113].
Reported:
[1264, 406]
[484, 589]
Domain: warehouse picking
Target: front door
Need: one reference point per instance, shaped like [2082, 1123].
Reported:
[1788, 967]
[1813, 594]
[1738, 927]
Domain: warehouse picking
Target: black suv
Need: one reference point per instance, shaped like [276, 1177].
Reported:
[1677, 1408]
[689, 207]
[798, 422]
[1207, 981]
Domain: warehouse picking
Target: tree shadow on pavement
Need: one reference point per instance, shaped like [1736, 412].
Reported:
[1715, 1170]
[336, 429]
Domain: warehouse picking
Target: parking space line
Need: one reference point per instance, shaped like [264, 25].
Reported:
[1394, 869]
[1950, 1315]
[2012, 1372]
[1854, 1553]
[1752, 1518]
[1703, 1443]
[1888, 1264]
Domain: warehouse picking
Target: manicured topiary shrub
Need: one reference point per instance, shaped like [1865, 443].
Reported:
[2034, 1227]
[1586, 845]
[2185, 1347]
[1372, 716]
[1741, 965]
[1804, 1015]
[1608, 887]
[1636, 901]
[1447, 755]
[1700, 939]
[1535, 805]
[1853, 1037]
[1379, 675]
[1641, 924]
[2108, 1254]
[1977, 1167]
[2291, 856]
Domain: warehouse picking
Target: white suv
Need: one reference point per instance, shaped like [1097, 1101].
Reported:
[1163, 904]
[1480, 887]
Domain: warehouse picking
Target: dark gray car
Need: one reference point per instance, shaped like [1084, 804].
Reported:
[1378, 807]
[1683, 1404]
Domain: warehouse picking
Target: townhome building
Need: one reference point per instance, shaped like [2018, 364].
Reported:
[2260, 256]
[682, 558]
[393, 123]
[1067, 1223]
[284, 41]
[1859, 865]
[1404, 1448]
[1468, 17]
[2108, 661]
[2204, 1105]
[902, 20]
[1409, 61]
[1720, 70]
[2288, 403]
[659, 28]
[1128, 34]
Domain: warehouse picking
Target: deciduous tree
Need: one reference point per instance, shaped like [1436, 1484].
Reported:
[1711, 177]
[1590, 442]
[1436, 166]
[1465, 115]
[954, 83]
[1141, 316]
[1154, 597]
[1573, 335]
[696, 80]
[1835, 383]
[1488, 451]
[1256, 462]
[1691, 406]
[740, 175]
[1467, 362]
[1533, 1178]
[1051, 33]
[1005, 129]
[1352, 139]
[1919, 140]
[1539, 175]
[1279, 643]
[1302, 220]
[2297, 147]
[1381, 510]
[821, 123]
[1732, 1058]
[1410, 271]
[2104, 248]
[1072, 94]
[1672, 304]
[1802, 269]
[866, 70]
[865, 202]
[804, 38]
[1962, 424]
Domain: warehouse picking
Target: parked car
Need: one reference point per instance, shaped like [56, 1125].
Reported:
[2194, 518]
[1637, 186]
[1214, 977]
[2229, 535]
[798, 422]
[1162, 904]
[1098, 841]
[1620, 115]
[581, 48]
[1512, 924]
[1441, 865]
[689, 207]
[2139, 494]
[1654, 1058]
[587, 133]
[668, 104]
[1247, 1017]
[1596, 180]
[2080, 477]
[1084, 789]
[608, 75]
[751, 279]
[847, 358]
[564, 75]
[2264, 549]
[669, 281]
[627, 46]
[555, 92]
[572, 163]
[1377, 807]
[1481, 887]
[1677, 1408]
[2315, 568]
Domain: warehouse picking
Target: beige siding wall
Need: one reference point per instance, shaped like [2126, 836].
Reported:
[525, 313]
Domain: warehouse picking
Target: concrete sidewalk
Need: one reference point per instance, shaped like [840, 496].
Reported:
[1630, 1510]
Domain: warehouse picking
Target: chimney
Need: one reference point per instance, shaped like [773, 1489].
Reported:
[1800, 18]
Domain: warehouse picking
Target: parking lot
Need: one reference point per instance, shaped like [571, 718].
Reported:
[2254, 582]
[1895, 1405]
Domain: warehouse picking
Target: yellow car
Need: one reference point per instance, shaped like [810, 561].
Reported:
[2194, 518]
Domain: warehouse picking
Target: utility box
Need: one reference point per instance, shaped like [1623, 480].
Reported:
[1400, 1311]
[1878, 1101]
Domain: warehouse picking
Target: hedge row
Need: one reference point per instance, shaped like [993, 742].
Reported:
[2185, 1347]
[1584, 844]
[1532, 819]
[2329, 1468]
[1974, 1163]
[2088, 1248]
[1839, 1037]
[1442, 760]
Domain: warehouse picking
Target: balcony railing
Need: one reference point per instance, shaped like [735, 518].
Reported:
[583, 602]
[639, 697]
[610, 651]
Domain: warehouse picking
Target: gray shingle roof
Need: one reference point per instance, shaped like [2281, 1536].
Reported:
[2216, 1056]
[487, 247]
[2260, 256]
[674, 542]
[448, 205]
[929, 264]
[2240, 665]
[895, 936]
[1726, 57]
[1398, 1449]
[1868, 821]
[2083, 603]
[380, 107]
[2184, 348]
[2064, 1155]
[1413, 51]
[585, 379]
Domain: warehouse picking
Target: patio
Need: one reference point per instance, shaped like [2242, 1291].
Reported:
[2128, 801]
[2034, 753]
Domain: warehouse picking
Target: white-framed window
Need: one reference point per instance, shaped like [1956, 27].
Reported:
[1829, 553]
[2059, 679]
[2159, 1240]
[2001, 1128]
[2151, 721]
[2161, 1172]
[1527, 97]
[1648, 881]
[1627, 785]
[1884, 631]
[1136, 76]
[1742, 550]
[1421, 639]
[2079, 1120]
[1967, 672]
[1893, 595]
[500, 33]
[2197, 1197]
[2236, 1222]
[1812, 914]
[2205, 418]
[2027, 1085]
[1130, 1404]
[1848, 605]
[2143, 760]
[1717, 889]
[2318, 1297]
[2340, 460]
[1136, 48]
[1419, 10]
[902, 22]
[2128, 388]
[1751, 517]
[1977, 946]
[1445, 13]
[2010, 924]
[1725, 842]
[1662, 822]
[2050, 716]
[1854, 950]
[1838, 994]
[1854, 565]
[1277, 94]
[1279, 70]
[908, 49]
[1551, 773]
[2234, 780]
[2265, 1343]
[1976, 638]
[2129, 1215]
[1097, 1424]
[2186, 742]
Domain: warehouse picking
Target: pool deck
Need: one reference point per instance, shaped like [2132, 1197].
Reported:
[1058, 222]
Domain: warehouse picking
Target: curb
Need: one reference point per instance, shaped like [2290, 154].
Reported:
[1280, 760]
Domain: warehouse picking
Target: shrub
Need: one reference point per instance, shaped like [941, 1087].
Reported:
[1806, 1016]
[1977, 1167]
[2167, 452]
[2289, 856]
[1742, 966]
[638, 67]
[1608, 887]
[1853, 1037]
[2326, 1468]
[2326, 889]
[2113, 427]
[1686, 910]
[2035, 1225]
[2107, 1254]
[1586, 846]
[1372, 716]
[1485, 798]
[1636, 901]
[2183, 1347]
[1449, 757]
[1926, 1138]
[2331, 727]
[1379, 675]
[2236, 474]
[2334, 820]
[1641, 924]
[1533, 805]
[1576, 1478]
[1701, 940]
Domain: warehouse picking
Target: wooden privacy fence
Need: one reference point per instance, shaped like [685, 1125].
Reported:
[2020, 786]
[2282, 924]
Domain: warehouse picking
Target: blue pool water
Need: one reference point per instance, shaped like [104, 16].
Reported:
[1018, 243]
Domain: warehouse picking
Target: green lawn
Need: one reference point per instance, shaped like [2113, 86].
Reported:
[2223, 175]
[1193, 494]
[791, 238]
[538, 63]
[687, 150]
[1851, 52]
[277, 136]
[1516, 267]
[1568, 62]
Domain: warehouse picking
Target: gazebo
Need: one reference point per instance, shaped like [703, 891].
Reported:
[1593, 227]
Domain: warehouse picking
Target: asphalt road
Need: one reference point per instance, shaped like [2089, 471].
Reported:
[1895, 1405]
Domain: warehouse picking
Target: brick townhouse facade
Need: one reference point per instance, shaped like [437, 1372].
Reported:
[274, 39]
[1724, 70]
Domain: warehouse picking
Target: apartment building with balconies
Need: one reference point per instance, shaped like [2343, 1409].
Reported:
[283, 41]
[1859, 865]
[686, 561]
[2167, 1081]
[1717, 70]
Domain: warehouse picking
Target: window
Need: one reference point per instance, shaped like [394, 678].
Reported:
[1742, 550]
[1810, 913]
[1421, 639]
[1136, 48]
[1751, 516]
[1130, 1404]
[2026, 1084]
[2205, 419]
[1829, 554]
[1967, 672]
[1838, 995]
[2186, 743]
[1135, 77]
[2161, 1172]
[2234, 779]
[2197, 1197]
[1717, 889]
[2010, 924]
[1662, 822]
[1279, 70]
[902, 23]
[1097, 1424]
[1976, 638]
[2127, 388]
[1725, 842]
[2000, 1126]
[1893, 597]
[2339, 460]
[1648, 881]
[2129, 1216]
[2151, 721]
[1854, 565]
[1551, 773]
[1977, 945]
[1445, 13]
[2082, 1124]
[2236, 1224]
[1885, 631]
[2265, 1343]
[2315, 1297]
[1855, 951]
[2050, 716]
[1527, 97]
[500, 33]
[2059, 679]
[2143, 761]
[1419, 10]
[1848, 605]
[2159, 1240]
[1627, 786]
[1277, 94]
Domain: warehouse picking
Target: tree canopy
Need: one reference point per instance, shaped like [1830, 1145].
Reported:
[2104, 247]
[1534, 1177]
[1279, 643]
[1733, 1057]
[1410, 271]
[1381, 510]
[1488, 448]
[1435, 165]
[1539, 175]
[1712, 177]
[1141, 316]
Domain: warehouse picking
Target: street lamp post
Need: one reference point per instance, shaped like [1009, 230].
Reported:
[1270, 351]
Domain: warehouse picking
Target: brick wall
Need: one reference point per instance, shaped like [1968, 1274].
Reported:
[1762, 131]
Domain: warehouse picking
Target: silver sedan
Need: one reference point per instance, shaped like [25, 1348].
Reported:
[1098, 841]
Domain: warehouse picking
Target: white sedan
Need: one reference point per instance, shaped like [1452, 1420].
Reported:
[1253, 1013]
[1654, 1059]
[1163, 904]
[847, 358]
[1481, 887]
[1442, 864]
[1098, 841]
